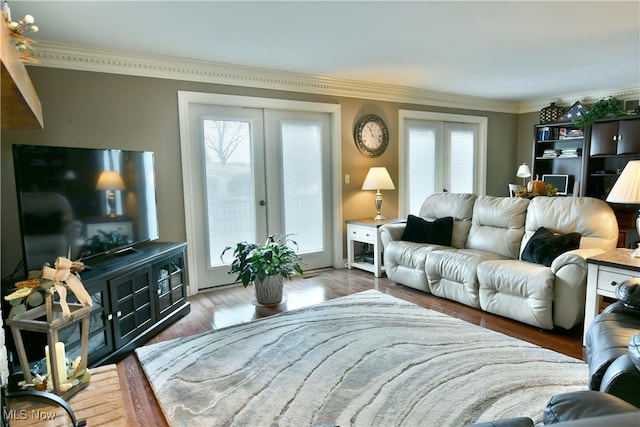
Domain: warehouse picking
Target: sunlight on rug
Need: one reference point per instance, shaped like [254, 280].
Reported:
[367, 359]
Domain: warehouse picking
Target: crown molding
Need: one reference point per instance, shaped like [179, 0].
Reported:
[83, 58]
[623, 93]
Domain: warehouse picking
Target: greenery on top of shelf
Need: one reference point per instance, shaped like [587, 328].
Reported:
[608, 107]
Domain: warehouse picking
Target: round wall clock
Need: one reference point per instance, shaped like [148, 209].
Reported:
[371, 135]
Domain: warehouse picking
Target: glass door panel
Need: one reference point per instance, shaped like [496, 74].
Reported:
[301, 175]
[229, 178]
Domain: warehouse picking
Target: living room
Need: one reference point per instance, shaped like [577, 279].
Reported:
[96, 97]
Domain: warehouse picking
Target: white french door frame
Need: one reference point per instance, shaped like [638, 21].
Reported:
[481, 159]
[193, 235]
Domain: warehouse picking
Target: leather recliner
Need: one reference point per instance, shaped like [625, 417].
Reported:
[613, 346]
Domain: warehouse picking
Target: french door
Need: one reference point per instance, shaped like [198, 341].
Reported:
[256, 172]
[440, 152]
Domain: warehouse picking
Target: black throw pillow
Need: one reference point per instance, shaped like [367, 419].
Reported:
[437, 232]
[544, 246]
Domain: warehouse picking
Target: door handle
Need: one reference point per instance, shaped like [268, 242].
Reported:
[262, 202]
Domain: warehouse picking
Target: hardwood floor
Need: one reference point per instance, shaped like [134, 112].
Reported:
[225, 307]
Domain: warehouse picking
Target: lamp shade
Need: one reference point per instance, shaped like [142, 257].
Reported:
[523, 171]
[378, 179]
[110, 180]
[627, 187]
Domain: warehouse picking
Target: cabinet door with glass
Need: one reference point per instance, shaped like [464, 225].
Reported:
[132, 305]
[170, 278]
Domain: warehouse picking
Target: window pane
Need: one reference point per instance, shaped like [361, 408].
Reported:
[461, 170]
[302, 184]
[229, 186]
[421, 161]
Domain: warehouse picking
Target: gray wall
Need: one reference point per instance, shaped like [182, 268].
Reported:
[88, 109]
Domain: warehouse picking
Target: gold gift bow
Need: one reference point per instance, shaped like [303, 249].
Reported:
[62, 279]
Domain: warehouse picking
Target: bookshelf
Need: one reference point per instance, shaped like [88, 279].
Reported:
[558, 149]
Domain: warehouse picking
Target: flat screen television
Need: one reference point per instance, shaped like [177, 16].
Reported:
[83, 202]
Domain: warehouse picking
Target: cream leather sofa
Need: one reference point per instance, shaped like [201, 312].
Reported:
[483, 267]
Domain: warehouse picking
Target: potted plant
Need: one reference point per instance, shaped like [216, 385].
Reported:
[266, 266]
[608, 107]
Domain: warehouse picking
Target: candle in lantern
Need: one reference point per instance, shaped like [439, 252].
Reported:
[60, 361]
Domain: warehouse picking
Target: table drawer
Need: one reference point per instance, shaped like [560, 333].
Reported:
[609, 278]
[362, 234]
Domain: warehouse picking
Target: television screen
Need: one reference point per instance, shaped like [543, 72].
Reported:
[561, 182]
[81, 202]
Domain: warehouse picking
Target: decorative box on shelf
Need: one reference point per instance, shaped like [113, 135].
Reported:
[551, 114]
[49, 318]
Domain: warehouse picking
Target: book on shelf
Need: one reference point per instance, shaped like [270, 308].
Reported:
[550, 152]
[544, 134]
[571, 152]
[566, 133]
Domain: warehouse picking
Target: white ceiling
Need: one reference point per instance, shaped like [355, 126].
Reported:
[507, 50]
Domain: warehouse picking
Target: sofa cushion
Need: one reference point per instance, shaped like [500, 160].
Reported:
[437, 232]
[590, 217]
[457, 205]
[452, 274]
[498, 225]
[518, 290]
[404, 262]
[544, 246]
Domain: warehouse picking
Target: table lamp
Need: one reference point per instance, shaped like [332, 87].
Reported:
[627, 190]
[523, 172]
[378, 179]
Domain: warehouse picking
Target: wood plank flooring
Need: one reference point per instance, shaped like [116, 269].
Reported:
[225, 307]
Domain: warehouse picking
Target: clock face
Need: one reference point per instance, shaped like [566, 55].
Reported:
[371, 136]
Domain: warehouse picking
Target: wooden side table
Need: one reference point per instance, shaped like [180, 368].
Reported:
[366, 231]
[604, 273]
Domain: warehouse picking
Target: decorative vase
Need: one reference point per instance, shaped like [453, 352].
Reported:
[269, 290]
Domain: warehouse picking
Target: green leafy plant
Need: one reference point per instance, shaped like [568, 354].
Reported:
[252, 260]
[608, 107]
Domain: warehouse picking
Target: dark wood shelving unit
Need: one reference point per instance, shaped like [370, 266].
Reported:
[607, 145]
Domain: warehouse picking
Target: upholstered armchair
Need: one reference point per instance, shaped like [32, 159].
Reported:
[613, 346]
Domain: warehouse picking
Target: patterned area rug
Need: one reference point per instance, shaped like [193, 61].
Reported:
[368, 359]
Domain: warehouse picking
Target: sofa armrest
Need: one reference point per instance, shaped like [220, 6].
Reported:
[569, 288]
[584, 404]
[621, 379]
[507, 422]
[391, 232]
[572, 257]
[575, 256]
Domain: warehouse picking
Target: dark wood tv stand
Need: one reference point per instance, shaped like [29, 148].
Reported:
[135, 296]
